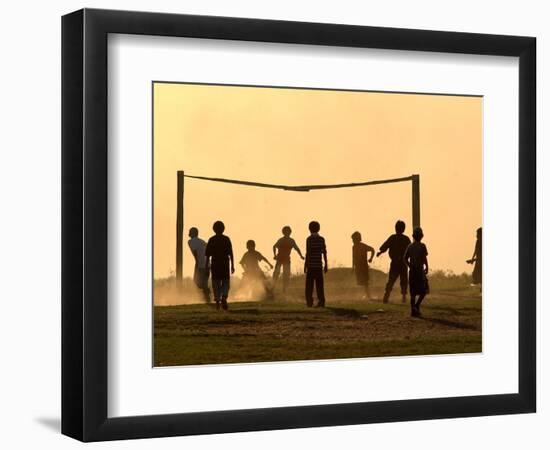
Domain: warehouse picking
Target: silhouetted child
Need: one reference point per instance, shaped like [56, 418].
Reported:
[201, 272]
[316, 254]
[477, 259]
[360, 262]
[219, 255]
[251, 266]
[416, 257]
[281, 253]
[396, 244]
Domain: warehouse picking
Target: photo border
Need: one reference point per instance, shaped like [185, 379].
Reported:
[84, 224]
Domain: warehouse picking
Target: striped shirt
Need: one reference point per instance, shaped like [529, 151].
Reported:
[315, 248]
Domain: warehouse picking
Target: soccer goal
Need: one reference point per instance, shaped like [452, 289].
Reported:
[181, 175]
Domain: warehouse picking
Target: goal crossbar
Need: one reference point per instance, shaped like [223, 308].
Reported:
[300, 188]
[414, 179]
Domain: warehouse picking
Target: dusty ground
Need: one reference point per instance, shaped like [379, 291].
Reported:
[287, 330]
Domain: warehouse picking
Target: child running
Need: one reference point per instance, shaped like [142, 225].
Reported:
[219, 254]
[416, 258]
[252, 270]
[396, 244]
[281, 253]
[360, 262]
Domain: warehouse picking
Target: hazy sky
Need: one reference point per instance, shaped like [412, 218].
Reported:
[290, 136]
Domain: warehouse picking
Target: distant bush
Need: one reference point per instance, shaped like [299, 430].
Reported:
[449, 281]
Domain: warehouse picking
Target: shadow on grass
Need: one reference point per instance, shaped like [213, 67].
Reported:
[345, 312]
[472, 296]
[253, 311]
[450, 323]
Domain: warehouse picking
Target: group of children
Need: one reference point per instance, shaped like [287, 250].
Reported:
[408, 262]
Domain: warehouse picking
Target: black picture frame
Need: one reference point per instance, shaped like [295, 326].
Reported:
[84, 224]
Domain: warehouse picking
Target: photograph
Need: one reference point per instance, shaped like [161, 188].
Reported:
[299, 223]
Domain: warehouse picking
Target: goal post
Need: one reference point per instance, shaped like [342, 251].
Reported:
[414, 179]
[179, 227]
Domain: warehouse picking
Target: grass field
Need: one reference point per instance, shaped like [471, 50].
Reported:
[256, 331]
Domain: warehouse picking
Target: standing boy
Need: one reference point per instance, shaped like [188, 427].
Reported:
[201, 272]
[397, 245]
[416, 257]
[477, 259]
[316, 254]
[251, 265]
[360, 262]
[219, 254]
[281, 253]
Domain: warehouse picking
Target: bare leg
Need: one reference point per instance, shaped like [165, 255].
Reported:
[403, 280]
[413, 305]
[392, 277]
[418, 302]
[367, 292]
[286, 276]
[268, 289]
[276, 273]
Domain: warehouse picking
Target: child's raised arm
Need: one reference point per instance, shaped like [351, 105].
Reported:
[231, 256]
[263, 258]
[325, 255]
[426, 259]
[295, 247]
[194, 252]
[474, 256]
[306, 259]
[406, 257]
[384, 247]
[371, 251]
[207, 254]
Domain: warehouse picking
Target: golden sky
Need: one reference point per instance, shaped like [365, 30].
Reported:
[293, 136]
